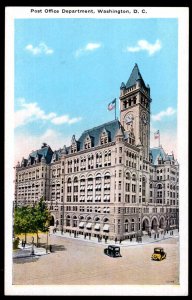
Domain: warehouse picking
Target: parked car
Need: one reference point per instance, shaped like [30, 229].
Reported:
[158, 254]
[113, 251]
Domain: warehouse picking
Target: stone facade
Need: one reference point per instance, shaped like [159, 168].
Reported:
[108, 182]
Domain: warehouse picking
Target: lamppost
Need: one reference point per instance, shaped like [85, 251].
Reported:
[47, 236]
[47, 241]
[32, 248]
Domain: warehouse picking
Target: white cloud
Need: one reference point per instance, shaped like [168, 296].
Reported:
[53, 138]
[30, 112]
[88, 47]
[143, 45]
[165, 113]
[65, 119]
[42, 48]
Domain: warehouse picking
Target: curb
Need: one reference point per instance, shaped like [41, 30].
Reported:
[113, 242]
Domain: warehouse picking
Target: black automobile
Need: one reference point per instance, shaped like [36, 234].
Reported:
[113, 251]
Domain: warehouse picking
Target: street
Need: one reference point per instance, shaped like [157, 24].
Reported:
[76, 262]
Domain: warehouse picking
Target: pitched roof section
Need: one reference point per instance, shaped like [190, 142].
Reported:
[157, 153]
[111, 127]
[135, 75]
[44, 151]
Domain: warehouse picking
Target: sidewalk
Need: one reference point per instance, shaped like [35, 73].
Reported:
[126, 243]
[27, 251]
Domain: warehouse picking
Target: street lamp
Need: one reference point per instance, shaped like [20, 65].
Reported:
[32, 248]
[47, 240]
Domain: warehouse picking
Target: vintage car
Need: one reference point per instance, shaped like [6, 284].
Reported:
[158, 254]
[113, 251]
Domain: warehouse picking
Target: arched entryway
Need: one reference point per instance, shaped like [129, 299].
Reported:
[154, 224]
[52, 221]
[161, 223]
[145, 225]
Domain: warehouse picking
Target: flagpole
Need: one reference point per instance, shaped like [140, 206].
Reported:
[115, 108]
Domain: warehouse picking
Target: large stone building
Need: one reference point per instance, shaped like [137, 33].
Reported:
[108, 182]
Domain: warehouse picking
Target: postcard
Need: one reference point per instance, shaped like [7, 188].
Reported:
[96, 106]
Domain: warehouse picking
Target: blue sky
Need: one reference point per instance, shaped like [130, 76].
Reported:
[68, 70]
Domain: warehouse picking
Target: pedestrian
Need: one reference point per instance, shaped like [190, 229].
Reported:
[155, 236]
[115, 240]
[131, 239]
[24, 244]
[50, 248]
[120, 241]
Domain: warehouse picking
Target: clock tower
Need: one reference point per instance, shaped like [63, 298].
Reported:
[135, 111]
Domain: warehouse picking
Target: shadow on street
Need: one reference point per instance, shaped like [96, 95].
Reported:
[23, 260]
[56, 248]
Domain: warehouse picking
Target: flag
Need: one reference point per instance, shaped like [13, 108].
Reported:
[157, 134]
[112, 105]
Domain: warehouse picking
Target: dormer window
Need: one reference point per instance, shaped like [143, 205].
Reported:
[73, 145]
[104, 137]
[87, 143]
[73, 148]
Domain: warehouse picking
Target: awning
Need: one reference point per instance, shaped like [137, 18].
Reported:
[97, 226]
[81, 224]
[106, 227]
[145, 232]
[89, 225]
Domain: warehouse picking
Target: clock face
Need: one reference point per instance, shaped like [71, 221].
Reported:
[128, 119]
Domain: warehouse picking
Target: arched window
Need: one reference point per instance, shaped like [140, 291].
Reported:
[105, 220]
[75, 179]
[74, 221]
[126, 226]
[68, 222]
[107, 175]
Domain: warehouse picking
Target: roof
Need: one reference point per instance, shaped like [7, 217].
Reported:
[111, 128]
[135, 75]
[157, 153]
[45, 152]
[56, 155]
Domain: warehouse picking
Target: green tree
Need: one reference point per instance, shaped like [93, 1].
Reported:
[32, 219]
[22, 216]
[40, 218]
